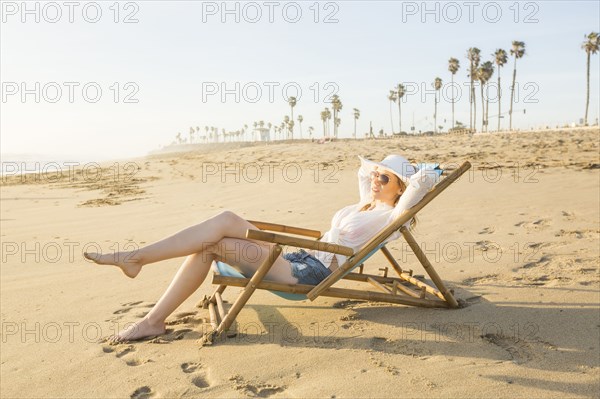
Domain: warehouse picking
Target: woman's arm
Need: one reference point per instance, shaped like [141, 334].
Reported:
[364, 182]
[420, 184]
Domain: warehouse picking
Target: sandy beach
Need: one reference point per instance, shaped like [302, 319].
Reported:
[517, 238]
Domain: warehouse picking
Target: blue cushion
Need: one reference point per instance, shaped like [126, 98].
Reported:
[431, 166]
[226, 270]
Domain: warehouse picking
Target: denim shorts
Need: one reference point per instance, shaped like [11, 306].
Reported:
[306, 268]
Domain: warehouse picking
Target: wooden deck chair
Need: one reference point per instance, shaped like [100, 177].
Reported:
[403, 289]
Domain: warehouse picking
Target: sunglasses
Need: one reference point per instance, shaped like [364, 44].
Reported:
[381, 178]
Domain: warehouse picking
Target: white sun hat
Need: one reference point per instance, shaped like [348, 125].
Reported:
[396, 164]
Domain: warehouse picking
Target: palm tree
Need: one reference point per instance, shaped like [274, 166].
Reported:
[453, 67]
[286, 124]
[484, 74]
[591, 47]
[300, 119]
[192, 130]
[310, 132]
[324, 118]
[292, 103]
[178, 138]
[392, 97]
[518, 51]
[400, 91]
[336, 104]
[437, 85]
[356, 112]
[500, 58]
[328, 115]
[473, 55]
[255, 124]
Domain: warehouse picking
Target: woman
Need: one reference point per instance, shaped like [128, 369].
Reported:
[386, 189]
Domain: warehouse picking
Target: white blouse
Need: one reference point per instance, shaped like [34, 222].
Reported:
[352, 228]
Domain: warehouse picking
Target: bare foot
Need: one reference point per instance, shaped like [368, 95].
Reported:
[127, 261]
[141, 329]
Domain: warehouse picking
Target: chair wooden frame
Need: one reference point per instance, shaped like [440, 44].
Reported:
[403, 289]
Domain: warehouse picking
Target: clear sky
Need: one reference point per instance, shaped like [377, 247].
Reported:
[175, 58]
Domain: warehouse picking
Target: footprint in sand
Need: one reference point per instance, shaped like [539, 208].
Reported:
[486, 245]
[120, 352]
[350, 316]
[414, 348]
[180, 334]
[538, 245]
[132, 303]
[540, 224]
[133, 362]
[579, 234]
[123, 351]
[171, 335]
[568, 215]
[185, 318]
[127, 307]
[347, 304]
[189, 367]
[489, 278]
[260, 389]
[543, 261]
[200, 382]
[519, 351]
[487, 230]
[198, 378]
[142, 393]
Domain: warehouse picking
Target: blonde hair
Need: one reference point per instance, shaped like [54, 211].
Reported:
[413, 221]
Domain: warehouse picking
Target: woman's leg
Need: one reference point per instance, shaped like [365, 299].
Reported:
[191, 240]
[245, 254]
[190, 275]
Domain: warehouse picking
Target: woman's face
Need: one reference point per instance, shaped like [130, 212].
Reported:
[385, 192]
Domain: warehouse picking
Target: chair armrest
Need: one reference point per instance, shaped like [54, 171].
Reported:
[282, 228]
[298, 242]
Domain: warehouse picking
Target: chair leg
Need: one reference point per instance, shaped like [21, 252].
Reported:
[218, 292]
[391, 259]
[429, 268]
[246, 293]
[203, 303]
